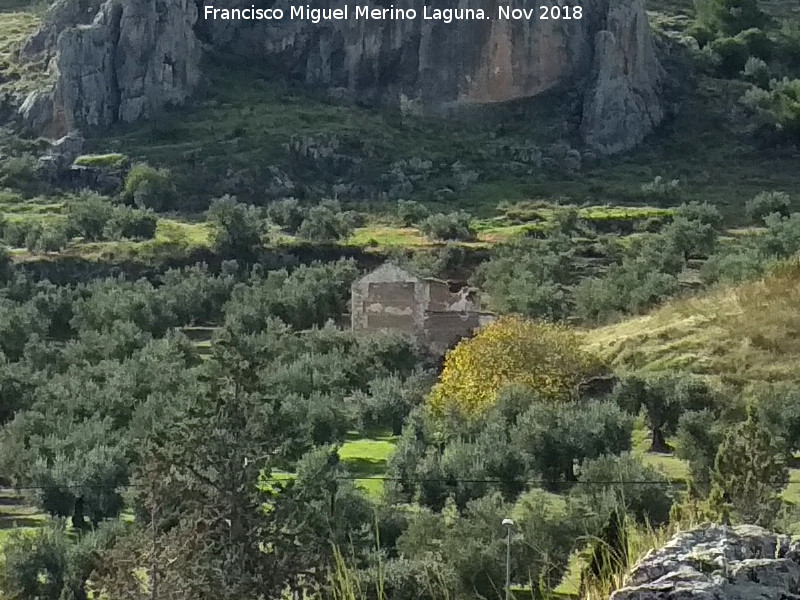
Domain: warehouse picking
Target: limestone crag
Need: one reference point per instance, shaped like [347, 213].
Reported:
[133, 57]
[718, 563]
[623, 104]
[132, 60]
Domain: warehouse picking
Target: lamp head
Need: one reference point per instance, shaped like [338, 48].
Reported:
[508, 522]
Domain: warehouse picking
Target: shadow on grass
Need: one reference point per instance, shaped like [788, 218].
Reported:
[16, 522]
[365, 466]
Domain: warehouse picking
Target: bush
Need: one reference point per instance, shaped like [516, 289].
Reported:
[287, 213]
[662, 188]
[757, 71]
[529, 277]
[410, 212]
[390, 400]
[767, 203]
[130, 223]
[551, 437]
[21, 173]
[732, 54]
[88, 215]
[52, 238]
[453, 226]
[777, 110]
[730, 17]
[325, 224]
[638, 490]
[733, 265]
[632, 287]
[35, 565]
[15, 233]
[147, 187]
[237, 227]
[782, 237]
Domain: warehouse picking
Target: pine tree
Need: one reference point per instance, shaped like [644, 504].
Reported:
[750, 471]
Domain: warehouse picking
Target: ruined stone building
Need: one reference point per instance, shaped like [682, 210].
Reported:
[391, 298]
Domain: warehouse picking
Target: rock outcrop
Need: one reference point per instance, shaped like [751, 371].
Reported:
[132, 60]
[133, 57]
[623, 104]
[718, 563]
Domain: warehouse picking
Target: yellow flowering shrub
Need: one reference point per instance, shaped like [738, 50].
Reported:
[544, 357]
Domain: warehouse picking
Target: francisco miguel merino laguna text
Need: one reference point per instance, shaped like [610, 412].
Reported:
[317, 15]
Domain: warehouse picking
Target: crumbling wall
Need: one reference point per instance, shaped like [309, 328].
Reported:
[388, 298]
[442, 330]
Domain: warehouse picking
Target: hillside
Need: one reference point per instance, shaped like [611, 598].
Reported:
[736, 334]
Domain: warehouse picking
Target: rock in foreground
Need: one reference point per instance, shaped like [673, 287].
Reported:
[718, 563]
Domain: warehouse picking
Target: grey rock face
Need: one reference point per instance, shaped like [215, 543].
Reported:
[134, 58]
[718, 563]
[623, 105]
[436, 67]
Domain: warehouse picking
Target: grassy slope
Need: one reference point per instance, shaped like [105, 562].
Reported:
[734, 334]
[18, 20]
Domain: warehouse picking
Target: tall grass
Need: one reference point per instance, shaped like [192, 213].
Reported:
[639, 540]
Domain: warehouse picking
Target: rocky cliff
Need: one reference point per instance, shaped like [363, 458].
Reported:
[718, 563]
[121, 60]
[118, 60]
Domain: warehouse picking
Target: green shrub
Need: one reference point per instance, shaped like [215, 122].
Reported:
[777, 110]
[667, 189]
[750, 471]
[757, 71]
[733, 265]
[15, 233]
[782, 237]
[52, 238]
[732, 54]
[21, 173]
[699, 435]
[632, 487]
[730, 17]
[287, 213]
[237, 227]
[411, 212]
[35, 565]
[632, 287]
[131, 223]
[147, 187]
[325, 224]
[767, 203]
[453, 226]
[88, 215]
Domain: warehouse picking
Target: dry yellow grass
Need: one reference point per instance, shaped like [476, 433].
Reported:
[735, 334]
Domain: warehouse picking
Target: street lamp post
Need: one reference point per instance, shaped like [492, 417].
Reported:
[508, 524]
